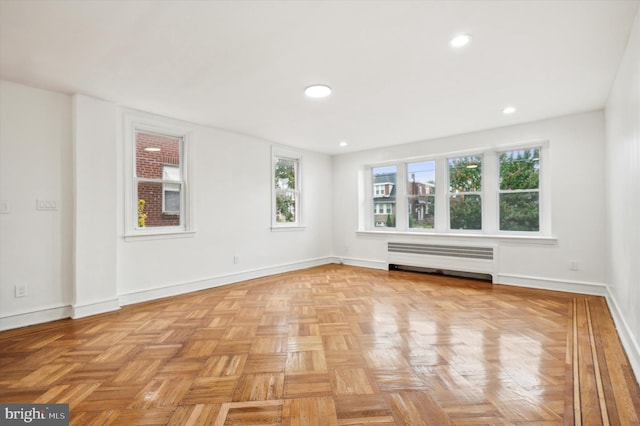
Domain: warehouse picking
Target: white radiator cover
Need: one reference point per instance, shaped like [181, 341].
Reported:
[450, 257]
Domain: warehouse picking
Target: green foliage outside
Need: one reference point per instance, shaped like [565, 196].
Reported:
[519, 197]
[520, 172]
[391, 221]
[465, 175]
[285, 185]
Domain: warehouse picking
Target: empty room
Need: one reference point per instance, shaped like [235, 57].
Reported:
[320, 212]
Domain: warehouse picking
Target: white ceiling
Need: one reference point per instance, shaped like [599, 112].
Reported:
[243, 65]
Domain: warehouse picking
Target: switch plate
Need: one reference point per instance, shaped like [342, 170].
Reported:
[46, 205]
[5, 207]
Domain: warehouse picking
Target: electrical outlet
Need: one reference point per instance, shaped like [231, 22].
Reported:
[236, 260]
[574, 265]
[21, 290]
[5, 206]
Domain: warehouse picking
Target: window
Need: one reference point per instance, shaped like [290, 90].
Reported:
[286, 189]
[465, 193]
[519, 192]
[156, 186]
[384, 196]
[421, 190]
[491, 192]
[159, 182]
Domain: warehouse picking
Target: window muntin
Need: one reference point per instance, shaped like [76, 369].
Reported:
[159, 181]
[465, 192]
[421, 190]
[287, 191]
[519, 190]
[384, 196]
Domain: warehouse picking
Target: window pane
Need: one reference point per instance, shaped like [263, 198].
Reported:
[465, 211]
[285, 175]
[285, 207]
[520, 211]
[465, 174]
[420, 194]
[171, 201]
[150, 205]
[520, 169]
[384, 196]
[154, 152]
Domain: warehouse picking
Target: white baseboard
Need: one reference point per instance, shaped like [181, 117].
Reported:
[364, 263]
[217, 281]
[94, 308]
[39, 316]
[582, 287]
[629, 342]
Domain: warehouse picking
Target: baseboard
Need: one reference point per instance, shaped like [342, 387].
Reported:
[582, 287]
[629, 343]
[94, 308]
[217, 281]
[40, 316]
[364, 263]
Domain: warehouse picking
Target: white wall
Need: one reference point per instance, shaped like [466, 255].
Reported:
[578, 212]
[623, 196]
[232, 194]
[35, 164]
[95, 167]
[76, 261]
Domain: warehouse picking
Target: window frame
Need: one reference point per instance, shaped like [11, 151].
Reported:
[480, 193]
[501, 191]
[434, 195]
[371, 213]
[489, 194]
[278, 153]
[139, 122]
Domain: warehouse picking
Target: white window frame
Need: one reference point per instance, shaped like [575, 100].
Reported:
[481, 193]
[436, 214]
[278, 153]
[371, 212]
[544, 195]
[134, 122]
[489, 195]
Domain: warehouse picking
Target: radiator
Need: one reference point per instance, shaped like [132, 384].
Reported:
[444, 258]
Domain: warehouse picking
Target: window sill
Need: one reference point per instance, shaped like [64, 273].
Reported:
[528, 239]
[275, 228]
[159, 235]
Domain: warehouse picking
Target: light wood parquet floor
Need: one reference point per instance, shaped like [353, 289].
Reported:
[333, 345]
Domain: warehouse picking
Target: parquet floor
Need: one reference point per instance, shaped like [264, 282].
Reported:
[332, 345]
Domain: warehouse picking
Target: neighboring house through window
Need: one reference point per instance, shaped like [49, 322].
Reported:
[158, 193]
[490, 191]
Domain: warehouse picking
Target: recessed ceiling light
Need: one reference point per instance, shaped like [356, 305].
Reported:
[343, 143]
[509, 110]
[460, 40]
[317, 91]
[152, 149]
